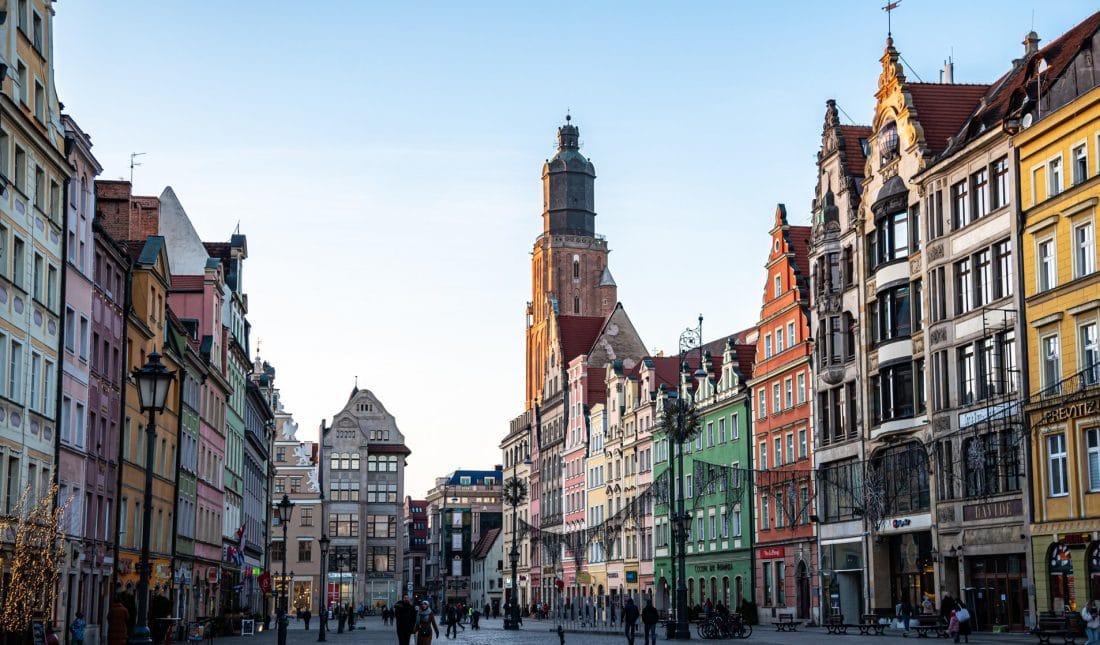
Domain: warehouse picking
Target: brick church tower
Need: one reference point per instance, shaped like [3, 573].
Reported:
[569, 274]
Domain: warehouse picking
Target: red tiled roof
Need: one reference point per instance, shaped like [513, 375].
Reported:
[853, 150]
[187, 282]
[485, 544]
[746, 359]
[942, 108]
[1007, 92]
[578, 334]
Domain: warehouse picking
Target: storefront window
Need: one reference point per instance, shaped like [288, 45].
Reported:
[1060, 566]
[911, 568]
[767, 584]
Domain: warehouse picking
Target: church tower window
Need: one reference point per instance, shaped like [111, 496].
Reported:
[576, 305]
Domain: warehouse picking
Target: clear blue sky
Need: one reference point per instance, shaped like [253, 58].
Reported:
[384, 160]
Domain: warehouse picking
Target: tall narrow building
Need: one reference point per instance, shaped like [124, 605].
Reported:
[569, 273]
[836, 255]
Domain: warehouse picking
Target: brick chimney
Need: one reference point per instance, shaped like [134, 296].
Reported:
[124, 215]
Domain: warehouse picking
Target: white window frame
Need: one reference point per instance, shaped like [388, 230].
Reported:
[1092, 458]
[1083, 349]
[1055, 186]
[1046, 379]
[1052, 281]
[1062, 456]
[1084, 256]
[1081, 146]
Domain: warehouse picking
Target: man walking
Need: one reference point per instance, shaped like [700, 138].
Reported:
[630, 619]
[649, 623]
[404, 618]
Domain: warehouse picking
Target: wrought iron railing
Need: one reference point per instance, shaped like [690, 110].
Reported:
[1078, 385]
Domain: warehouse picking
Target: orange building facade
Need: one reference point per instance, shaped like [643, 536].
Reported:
[786, 547]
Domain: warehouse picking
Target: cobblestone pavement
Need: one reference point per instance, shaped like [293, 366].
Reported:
[371, 630]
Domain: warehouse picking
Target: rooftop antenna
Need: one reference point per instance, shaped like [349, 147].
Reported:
[134, 155]
[889, 9]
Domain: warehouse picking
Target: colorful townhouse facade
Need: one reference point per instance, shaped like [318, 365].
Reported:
[782, 430]
[1056, 118]
[33, 215]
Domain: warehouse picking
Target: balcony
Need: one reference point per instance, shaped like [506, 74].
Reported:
[1069, 397]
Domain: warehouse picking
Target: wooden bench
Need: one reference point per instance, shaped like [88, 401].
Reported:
[1066, 626]
[929, 624]
[869, 624]
[835, 625]
[786, 623]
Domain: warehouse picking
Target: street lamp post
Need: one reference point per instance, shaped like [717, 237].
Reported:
[286, 509]
[683, 430]
[323, 541]
[153, 381]
[515, 492]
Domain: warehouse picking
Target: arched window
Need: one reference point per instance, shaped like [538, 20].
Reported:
[576, 268]
[576, 305]
[334, 461]
[1060, 570]
[355, 461]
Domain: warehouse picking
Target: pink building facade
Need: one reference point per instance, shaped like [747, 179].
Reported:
[87, 471]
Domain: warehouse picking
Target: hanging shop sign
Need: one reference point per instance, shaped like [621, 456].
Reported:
[772, 552]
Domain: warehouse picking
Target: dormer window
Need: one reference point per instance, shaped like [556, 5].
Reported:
[888, 141]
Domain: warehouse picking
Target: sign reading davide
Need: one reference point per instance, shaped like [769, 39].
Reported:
[772, 552]
[978, 512]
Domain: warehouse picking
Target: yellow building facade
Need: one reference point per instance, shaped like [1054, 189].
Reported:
[595, 478]
[146, 331]
[1058, 148]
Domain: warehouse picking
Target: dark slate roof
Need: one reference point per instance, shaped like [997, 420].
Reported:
[144, 251]
[942, 108]
[485, 544]
[476, 476]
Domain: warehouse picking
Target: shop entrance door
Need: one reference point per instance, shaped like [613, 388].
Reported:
[998, 596]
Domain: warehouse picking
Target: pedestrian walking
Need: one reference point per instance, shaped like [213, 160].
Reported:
[51, 636]
[1090, 613]
[953, 626]
[341, 618]
[450, 619]
[306, 615]
[963, 614]
[76, 629]
[404, 619]
[351, 617]
[425, 624]
[118, 623]
[630, 620]
[649, 623]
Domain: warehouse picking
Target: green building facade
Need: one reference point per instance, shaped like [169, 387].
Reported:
[717, 495]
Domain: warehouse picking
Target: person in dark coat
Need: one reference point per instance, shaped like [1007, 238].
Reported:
[947, 605]
[630, 620]
[404, 619]
[650, 618]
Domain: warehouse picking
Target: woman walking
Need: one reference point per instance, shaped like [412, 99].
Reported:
[425, 624]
